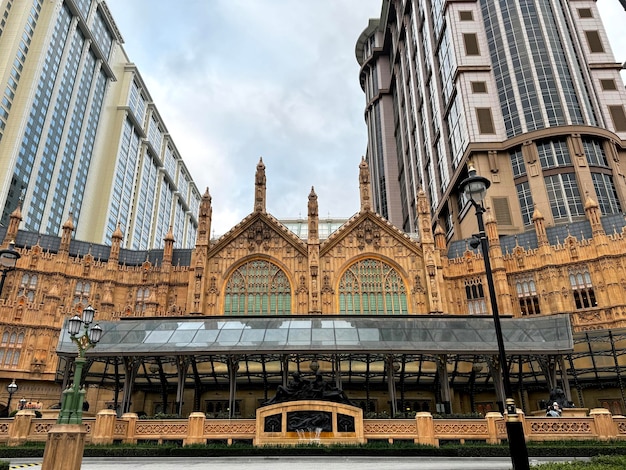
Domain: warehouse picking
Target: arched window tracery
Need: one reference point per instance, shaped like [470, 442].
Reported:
[257, 287]
[372, 287]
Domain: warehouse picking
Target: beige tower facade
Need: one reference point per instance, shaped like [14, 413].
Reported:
[531, 94]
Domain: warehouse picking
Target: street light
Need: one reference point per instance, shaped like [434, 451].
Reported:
[475, 188]
[11, 388]
[22, 403]
[8, 260]
[73, 396]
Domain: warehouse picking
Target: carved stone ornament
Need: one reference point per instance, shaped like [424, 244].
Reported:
[368, 233]
[259, 233]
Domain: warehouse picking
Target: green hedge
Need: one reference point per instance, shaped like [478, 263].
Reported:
[375, 448]
[4, 465]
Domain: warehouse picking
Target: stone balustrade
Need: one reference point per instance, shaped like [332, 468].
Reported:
[107, 428]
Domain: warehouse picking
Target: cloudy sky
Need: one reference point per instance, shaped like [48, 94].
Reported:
[236, 80]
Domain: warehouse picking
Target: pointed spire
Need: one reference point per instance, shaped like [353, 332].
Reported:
[592, 210]
[66, 236]
[259, 183]
[14, 223]
[313, 218]
[365, 188]
[168, 251]
[118, 234]
[204, 219]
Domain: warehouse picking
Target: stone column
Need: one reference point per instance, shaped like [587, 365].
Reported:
[20, 427]
[195, 429]
[131, 418]
[425, 429]
[64, 447]
[492, 427]
[105, 427]
[605, 426]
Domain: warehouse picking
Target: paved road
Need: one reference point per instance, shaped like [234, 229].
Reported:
[290, 463]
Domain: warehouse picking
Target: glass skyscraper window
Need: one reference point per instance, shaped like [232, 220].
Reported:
[564, 196]
[605, 193]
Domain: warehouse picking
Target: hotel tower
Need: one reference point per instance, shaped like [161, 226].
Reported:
[79, 134]
[529, 91]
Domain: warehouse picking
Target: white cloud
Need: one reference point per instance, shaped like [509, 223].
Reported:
[236, 80]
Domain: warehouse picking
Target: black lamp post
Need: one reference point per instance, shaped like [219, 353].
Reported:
[73, 397]
[22, 403]
[11, 388]
[475, 188]
[8, 260]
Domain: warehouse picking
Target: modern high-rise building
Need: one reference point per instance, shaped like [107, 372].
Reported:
[529, 91]
[79, 133]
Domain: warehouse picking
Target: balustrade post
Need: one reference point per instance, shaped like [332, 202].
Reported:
[131, 419]
[19, 429]
[605, 426]
[425, 429]
[492, 418]
[104, 428]
[195, 429]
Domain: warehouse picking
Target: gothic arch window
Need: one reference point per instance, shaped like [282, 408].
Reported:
[28, 286]
[140, 302]
[81, 293]
[527, 296]
[372, 287]
[475, 296]
[582, 288]
[11, 348]
[257, 288]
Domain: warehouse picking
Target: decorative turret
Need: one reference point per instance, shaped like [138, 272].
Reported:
[313, 243]
[168, 250]
[116, 242]
[313, 218]
[440, 238]
[365, 188]
[204, 220]
[66, 236]
[592, 210]
[14, 224]
[259, 183]
[540, 228]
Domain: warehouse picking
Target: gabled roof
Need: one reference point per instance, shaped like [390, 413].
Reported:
[346, 229]
[272, 222]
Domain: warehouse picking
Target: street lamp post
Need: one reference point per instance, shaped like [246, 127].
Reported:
[8, 260]
[73, 396]
[22, 403]
[475, 188]
[11, 388]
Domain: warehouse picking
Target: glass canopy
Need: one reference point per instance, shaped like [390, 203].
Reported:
[327, 334]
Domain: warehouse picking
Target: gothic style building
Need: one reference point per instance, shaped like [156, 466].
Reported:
[399, 323]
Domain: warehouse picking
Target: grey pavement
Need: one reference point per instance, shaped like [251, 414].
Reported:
[292, 463]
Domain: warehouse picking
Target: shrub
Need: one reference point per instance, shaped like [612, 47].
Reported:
[4, 465]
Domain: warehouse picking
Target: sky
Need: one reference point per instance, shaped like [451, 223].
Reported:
[239, 80]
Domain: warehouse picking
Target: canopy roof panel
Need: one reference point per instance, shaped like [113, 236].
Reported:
[328, 334]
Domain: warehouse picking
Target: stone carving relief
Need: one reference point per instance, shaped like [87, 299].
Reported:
[259, 234]
[368, 234]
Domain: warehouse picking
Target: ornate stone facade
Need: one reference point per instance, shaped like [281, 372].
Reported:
[367, 258]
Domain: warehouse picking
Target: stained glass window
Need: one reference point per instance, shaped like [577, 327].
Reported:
[372, 287]
[258, 288]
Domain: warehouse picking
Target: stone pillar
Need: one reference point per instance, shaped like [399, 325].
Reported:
[605, 426]
[64, 447]
[492, 427]
[195, 429]
[104, 428]
[20, 427]
[131, 418]
[425, 429]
